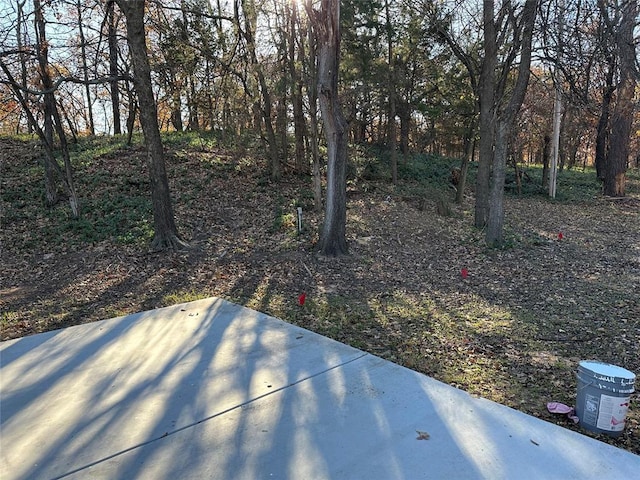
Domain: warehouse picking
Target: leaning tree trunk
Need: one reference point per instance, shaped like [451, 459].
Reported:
[333, 237]
[52, 115]
[165, 231]
[46, 140]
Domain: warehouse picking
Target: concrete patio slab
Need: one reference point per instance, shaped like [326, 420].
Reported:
[212, 390]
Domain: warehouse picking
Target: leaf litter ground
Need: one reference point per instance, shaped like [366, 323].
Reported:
[513, 329]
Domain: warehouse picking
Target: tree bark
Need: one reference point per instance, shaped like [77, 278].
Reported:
[486, 93]
[404, 110]
[602, 130]
[312, 95]
[165, 231]
[622, 115]
[48, 103]
[546, 155]
[391, 91]
[46, 139]
[250, 24]
[52, 118]
[299, 123]
[495, 221]
[85, 68]
[20, 21]
[506, 120]
[333, 237]
[469, 146]
[112, 40]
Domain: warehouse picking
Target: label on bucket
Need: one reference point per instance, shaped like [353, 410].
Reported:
[612, 412]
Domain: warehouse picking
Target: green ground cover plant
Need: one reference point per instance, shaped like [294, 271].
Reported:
[513, 329]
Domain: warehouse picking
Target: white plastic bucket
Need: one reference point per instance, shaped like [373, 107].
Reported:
[604, 392]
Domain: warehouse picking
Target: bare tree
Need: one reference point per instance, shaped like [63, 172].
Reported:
[312, 96]
[299, 123]
[85, 66]
[20, 22]
[165, 231]
[52, 118]
[112, 41]
[248, 30]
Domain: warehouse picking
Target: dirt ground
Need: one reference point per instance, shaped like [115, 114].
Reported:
[512, 330]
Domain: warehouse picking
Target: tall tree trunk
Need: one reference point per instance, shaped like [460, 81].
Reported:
[555, 138]
[622, 115]
[165, 231]
[192, 103]
[486, 93]
[85, 68]
[112, 40]
[282, 117]
[131, 116]
[176, 108]
[404, 112]
[48, 103]
[299, 123]
[546, 156]
[52, 116]
[602, 130]
[20, 22]
[312, 95]
[391, 91]
[469, 147]
[505, 124]
[495, 222]
[333, 240]
[250, 24]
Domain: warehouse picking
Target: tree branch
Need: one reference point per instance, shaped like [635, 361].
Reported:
[61, 80]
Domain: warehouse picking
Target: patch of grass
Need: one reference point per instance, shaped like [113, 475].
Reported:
[125, 219]
[340, 317]
[201, 141]
[285, 217]
[428, 176]
[114, 202]
[87, 150]
[183, 296]
[575, 185]
[8, 320]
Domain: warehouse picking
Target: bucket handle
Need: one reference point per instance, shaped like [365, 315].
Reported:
[586, 385]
